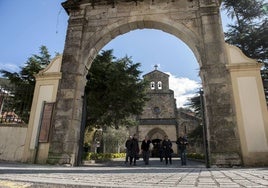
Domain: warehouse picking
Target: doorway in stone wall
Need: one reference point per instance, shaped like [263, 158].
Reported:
[156, 135]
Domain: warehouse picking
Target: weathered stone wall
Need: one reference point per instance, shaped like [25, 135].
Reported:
[156, 76]
[12, 142]
[164, 102]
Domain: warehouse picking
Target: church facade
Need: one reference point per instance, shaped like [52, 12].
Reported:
[160, 116]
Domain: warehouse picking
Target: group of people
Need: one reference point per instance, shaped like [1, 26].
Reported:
[165, 150]
[132, 150]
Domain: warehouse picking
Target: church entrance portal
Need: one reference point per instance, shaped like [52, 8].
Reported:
[156, 135]
[156, 147]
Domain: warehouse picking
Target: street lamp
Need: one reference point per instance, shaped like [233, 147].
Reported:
[205, 137]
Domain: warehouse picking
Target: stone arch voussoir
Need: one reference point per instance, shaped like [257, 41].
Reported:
[156, 130]
[100, 38]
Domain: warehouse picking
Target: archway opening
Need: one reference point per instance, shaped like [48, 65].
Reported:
[153, 47]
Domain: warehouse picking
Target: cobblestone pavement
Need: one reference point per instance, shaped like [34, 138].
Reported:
[117, 174]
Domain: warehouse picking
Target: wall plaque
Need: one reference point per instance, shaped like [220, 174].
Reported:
[46, 122]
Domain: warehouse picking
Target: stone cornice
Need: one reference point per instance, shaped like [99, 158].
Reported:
[49, 76]
[74, 4]
[244, 67]
[69, 5]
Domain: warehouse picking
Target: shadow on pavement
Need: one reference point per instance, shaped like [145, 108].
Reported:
[153, 162]
[115, 166]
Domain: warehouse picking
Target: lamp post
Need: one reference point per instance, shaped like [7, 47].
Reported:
[205, 134]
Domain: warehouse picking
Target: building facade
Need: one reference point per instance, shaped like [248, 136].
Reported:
[160, 116]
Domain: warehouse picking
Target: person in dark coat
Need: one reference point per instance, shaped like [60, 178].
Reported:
[182, 143]
[127, 146]
[134, 150]
[167, 148]
[145, 148]
[161, 151]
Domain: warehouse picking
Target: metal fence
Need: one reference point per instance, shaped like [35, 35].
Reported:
[15, 104]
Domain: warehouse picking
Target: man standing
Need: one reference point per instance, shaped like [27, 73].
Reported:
[145, 147]
[182, 143]
[167, 148]
[134, 149]
[127, 145]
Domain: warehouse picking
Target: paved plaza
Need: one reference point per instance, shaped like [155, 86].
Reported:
[117, 174]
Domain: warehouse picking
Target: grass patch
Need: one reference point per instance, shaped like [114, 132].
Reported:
[196, 156]
[102, 156]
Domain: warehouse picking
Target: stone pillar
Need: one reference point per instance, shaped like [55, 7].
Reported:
[223, 140]
[64, 144]
[251, 109]
[46, 88]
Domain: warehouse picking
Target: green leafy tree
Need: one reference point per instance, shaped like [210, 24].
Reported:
[34, 64]
[195, 104]
[114, 140]
[249, 31]
[250, 28]
[23, 82]
[197, 134]
[115, 92]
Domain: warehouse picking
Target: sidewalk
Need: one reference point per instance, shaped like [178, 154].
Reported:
[117, 174]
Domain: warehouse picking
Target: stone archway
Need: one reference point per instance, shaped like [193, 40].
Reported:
[92, 24]
[156, 135]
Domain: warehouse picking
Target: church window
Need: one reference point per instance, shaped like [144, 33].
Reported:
[152, 85]
[156, 110]
[159, 85]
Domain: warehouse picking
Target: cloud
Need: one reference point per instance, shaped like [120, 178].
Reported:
[183, 88]
[9, 67]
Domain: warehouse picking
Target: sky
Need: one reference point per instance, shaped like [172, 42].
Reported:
[27, 25]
